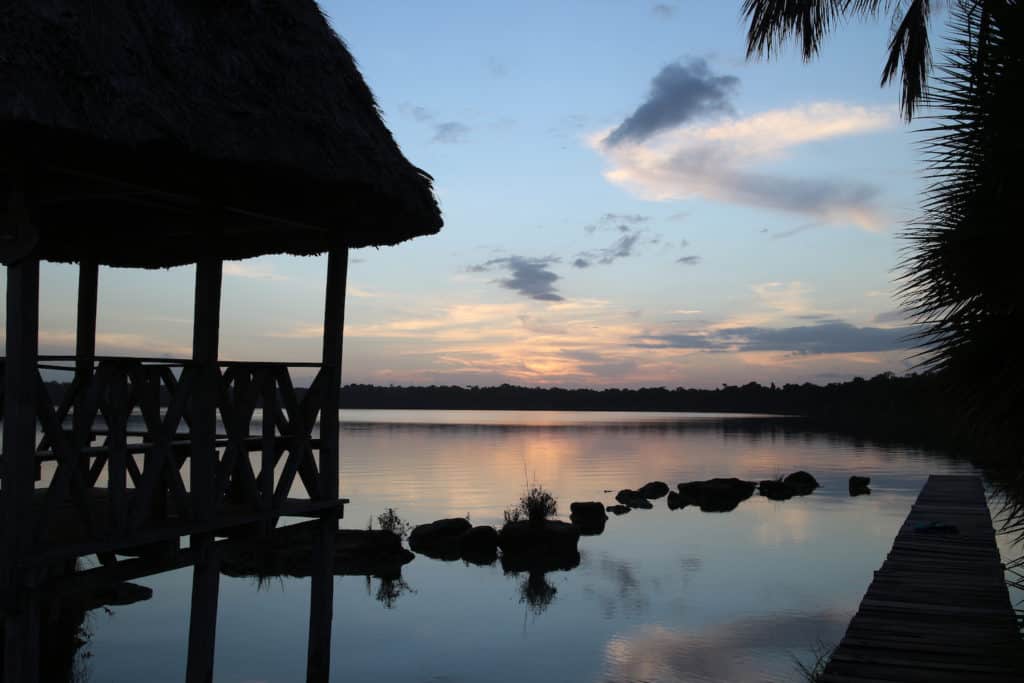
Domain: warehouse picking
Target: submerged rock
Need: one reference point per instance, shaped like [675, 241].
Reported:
[633, 499]
[589, 517]
[618, 509]
[716, 495]
[441, 539]
[653, 490]
[775, 489]
[801, 482]
[859, 485]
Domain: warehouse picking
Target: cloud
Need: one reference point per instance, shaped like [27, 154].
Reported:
[450, 132]
[663, 11]
[688, 260]
[251, 271]
[496, 67]
[896, 316]
[679, 93]
[722, 161]
[623, 222]
[620, 248]
[530, 277]
[446, 132]
[831, 336]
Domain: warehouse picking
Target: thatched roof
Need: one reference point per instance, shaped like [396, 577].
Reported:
[151, 132]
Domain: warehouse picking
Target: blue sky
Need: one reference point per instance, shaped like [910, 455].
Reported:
[740, 225]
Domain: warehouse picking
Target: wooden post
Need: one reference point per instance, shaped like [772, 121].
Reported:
[85, 355]
[334, 327]
[202, 627]
[321, 607]
[205, 341]
[18, 471]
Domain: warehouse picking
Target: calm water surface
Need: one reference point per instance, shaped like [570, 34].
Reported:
[660, 596]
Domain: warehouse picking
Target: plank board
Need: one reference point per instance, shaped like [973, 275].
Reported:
[938, 609]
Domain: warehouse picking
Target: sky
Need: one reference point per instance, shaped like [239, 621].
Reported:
[628, 201]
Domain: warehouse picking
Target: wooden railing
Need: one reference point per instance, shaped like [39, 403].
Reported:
[103, 477]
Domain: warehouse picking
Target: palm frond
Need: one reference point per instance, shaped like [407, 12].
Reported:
[909, 47]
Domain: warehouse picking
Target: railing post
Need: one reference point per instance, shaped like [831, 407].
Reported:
[19, 467]
[321, 608]
[203, 468]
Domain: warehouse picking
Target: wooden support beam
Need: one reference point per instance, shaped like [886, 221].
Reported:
[202, 621]
[321, 600]
[21, 620]
[205, 341]
[334, 328]
[85, 355]
[202, 626]
[19, 424]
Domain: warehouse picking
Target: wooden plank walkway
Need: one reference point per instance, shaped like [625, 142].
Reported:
[938, 609]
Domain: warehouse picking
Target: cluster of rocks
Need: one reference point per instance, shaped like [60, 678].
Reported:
[545, 545]
[796, 484]
[639, 499]
[454, 539]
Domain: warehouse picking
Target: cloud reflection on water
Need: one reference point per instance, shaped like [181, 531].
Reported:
[735, 651]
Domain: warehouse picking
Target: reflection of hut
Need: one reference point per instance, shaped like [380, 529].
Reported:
[154, 134]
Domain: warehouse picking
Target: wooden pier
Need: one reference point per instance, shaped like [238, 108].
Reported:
[938, 609]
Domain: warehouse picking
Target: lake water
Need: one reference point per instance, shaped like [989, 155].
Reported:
[660, 596]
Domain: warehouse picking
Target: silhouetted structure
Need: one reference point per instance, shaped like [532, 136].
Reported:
[938, 609]
[154, 134]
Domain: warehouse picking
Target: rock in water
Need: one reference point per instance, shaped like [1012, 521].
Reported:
[775, 489]
[551, 538]
[589, 517]
[675, 501]
[859, 485]
[439, 539]
[716, 495]
[479, 545]
[618, 509]
[653, 490]
[633, 499]
[801, 482]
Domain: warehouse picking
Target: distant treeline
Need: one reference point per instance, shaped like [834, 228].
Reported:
[910, 406]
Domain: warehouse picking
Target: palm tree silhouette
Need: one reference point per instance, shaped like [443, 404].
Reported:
[773, 22]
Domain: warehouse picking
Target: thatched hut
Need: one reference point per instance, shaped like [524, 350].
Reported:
[151, 133]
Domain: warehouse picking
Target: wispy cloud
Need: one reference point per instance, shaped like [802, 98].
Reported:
[531, 277]
[632, 234]
[445, 132]
[450, 132]
[251, 271]
[663, 11]
[669, 149]
[821, 338]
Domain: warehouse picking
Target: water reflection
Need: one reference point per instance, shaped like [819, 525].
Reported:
[660, 595]
[746, 649]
